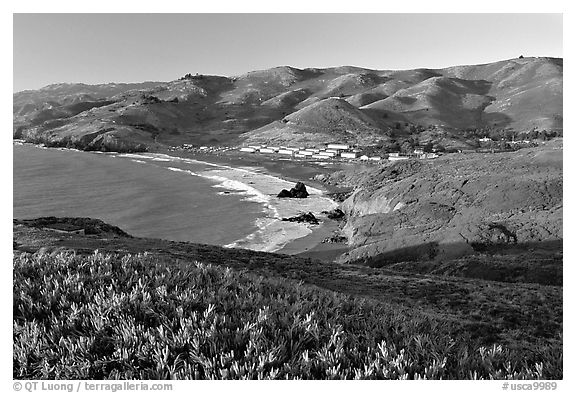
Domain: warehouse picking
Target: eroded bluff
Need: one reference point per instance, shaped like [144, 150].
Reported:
[455, 205]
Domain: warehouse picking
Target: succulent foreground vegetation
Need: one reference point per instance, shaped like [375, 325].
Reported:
[102, 316]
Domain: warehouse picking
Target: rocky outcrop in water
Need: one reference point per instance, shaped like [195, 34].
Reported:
[298, 191]
[308, 218]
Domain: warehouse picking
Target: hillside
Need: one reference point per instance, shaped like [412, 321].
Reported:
[103, 304]
[459, 211]
[326, 120]
[517, 94]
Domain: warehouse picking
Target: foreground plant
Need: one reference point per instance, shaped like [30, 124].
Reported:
[104, 316]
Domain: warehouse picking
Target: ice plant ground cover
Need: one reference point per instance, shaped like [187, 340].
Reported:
[108, 316]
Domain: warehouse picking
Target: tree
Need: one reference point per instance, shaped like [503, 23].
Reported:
[406, 147]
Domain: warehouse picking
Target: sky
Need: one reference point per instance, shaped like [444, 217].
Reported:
[101, 48]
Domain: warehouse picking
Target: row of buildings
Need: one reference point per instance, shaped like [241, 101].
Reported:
[332, 150]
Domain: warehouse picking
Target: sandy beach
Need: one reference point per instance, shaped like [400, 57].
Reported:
[261, 185]
[256, 180]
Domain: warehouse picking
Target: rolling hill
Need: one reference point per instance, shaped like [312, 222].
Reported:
[294, 105]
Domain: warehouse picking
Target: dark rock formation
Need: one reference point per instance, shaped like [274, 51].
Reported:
[285, 194]
[335, 214]
[298, 191]
[304, 217]
[335, 239]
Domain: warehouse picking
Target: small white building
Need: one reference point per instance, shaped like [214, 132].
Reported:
[298, 155]
[394, 154]
[255, 147]
[306, 153]
[286, 152]
[248, 150]
[321, 157]
[397, 158]
[418, 151]
[349, 155]
[327, 154]
[375, 158]
[364, 158]
[485, 139]
[337, 146]
[267, 150]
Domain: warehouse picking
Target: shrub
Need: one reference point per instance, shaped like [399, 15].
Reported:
[136, 317]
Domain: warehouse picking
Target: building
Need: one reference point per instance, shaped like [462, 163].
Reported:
[337, 146]
[349, 155]
[286, 151]
[319, 156]
[327, 154]
[375, 158]
[248, 150]
[485, 139]
[394, 154]
[364, 158]
[266, 150]
[306, 153]
[418, 151]
[397, 158]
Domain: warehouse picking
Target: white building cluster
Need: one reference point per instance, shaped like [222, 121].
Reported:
[330, 151]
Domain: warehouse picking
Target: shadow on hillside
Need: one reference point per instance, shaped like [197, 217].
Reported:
[495, 119]
[529, 262]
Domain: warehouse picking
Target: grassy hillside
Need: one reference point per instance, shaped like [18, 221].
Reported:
[105, 316]
[457, 205]
[122, 307]
[326, 120]
[516, 94]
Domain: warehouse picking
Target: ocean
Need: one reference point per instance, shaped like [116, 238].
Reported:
[159, 196]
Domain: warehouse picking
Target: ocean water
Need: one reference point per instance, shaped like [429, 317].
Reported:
[160, 196]
[144, 197]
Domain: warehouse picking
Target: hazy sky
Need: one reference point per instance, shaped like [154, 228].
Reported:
[99, 48]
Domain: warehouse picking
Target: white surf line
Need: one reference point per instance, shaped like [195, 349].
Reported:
[271, 235]
[311, 190]
[234, 185]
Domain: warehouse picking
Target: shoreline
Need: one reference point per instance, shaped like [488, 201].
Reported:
[309, 245]
[260, 182]
[262, 186]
